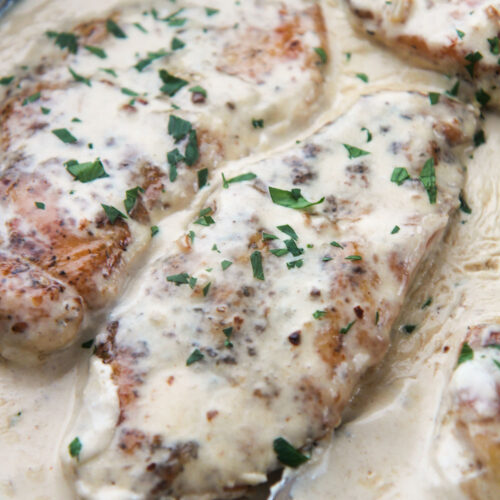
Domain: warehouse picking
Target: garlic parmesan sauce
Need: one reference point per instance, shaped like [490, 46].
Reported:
[389, 443]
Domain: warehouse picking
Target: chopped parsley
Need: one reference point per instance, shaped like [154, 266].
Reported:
[453, 92]
[409, 328]
[287, 454]
[463, 204]
[353, 257]
[131, 197]
[202, 178]
[288, 230]
[427, 303]
[293, 248]
[5, 80]
[368, 134]
[225, 264]
[191, 236]
[345, 329]
[192, 282]
[114, 29]
[192, 152]
[377, 317]
[473, 58]
[395, 230]
[205, 218]
[79, 78]
[45, 111]
[428, 178]
[323, 57]
[355, 152]
[318, 314]
[466, 354]
[256, 261]
[257, 123]
[482, 97]
[152, 56]
[336, 244]
[154, 230]
[178, 128]
[206, 288]
[291, 199]
[460, 34]
[86, 172]
[194, 357]
[140, 27]
[228, 332]
[64, 41]
[268, 236]
[96, 51]
[173, 20]
[173, 157]
[179, 279]
[362, 76]
[65, 135]
[109, 71]
[32, 98]
[279, 252]
[88, 344]
[494, 45]
[172, 84]
[40, 205]
[434, 97]
[479, 138]
[211, 12]
[75, 447]
[399, 175]
[112, 213]
[198, 90]
[129, 92]
[239, 178]
[295, 263]
[177, 44]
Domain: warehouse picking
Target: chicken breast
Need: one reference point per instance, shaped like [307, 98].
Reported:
[125, 118]
[471, 424]
[243, 346]
[453, 36]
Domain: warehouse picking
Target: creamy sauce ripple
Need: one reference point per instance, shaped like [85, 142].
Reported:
[386, 447]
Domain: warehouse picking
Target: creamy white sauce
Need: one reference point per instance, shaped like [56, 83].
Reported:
[385, 448]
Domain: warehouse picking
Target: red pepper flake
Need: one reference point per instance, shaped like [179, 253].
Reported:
[294, 338]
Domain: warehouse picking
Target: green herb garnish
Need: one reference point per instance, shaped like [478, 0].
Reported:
[86, 172]
[291, 199]
[256, 261]
[466, 354]
[355, 152]
[194, 357]
[287, 454]
[64, 135]
[428, 178]
[112, 213]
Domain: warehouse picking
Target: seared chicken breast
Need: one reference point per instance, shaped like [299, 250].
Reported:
[453, 36]
[121, 122]
[236, 352]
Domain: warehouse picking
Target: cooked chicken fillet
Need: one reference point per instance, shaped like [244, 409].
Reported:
[472, 422]
[453, 36]
[126, 118]
[281, 295]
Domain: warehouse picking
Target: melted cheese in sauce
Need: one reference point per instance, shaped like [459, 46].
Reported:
[385, 449]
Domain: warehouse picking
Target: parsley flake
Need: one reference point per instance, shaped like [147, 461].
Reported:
[192, 153]
[335, 244]
[32, 98]
[321, 52]
[399, 175]
[362, 76]
[114, 29]
[88, 344]
[318, 314]
[409, 328]
[293, 248]
[295, 263]
[279, 252]
[355, 152]
[178, 128]
[291, 199]
[194, 357]
[86, 172]
[64, 135]
[177, 44]
[112, 213]
[96, 51]
[211, 12]
[79, 78]
[64, 41]
[179, 279]
[154, 230]
[473, 58]
[5, 80]
[172, 84]
[288, 230]
[268, 236]
[257, 123]
[345, 329]
[45, 111]
[287, 454]
[205, 218]
[428, 179]
[494, 45]
[453, 92]
[198, 90]
[225, 264]
[434, 97]
[40, 205]
[479, 138]
[75, 447]
[140, 27]
[482, 97]
[427, 303]
[239, 178]
[466, 354]
[353, 257]
[202, 178]
[395, 230]
[228, 332]
[173, 157]
[256, 261]
[460, 34]
[368, 134]
[463, 204]
[131, 197]
[206, 288]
